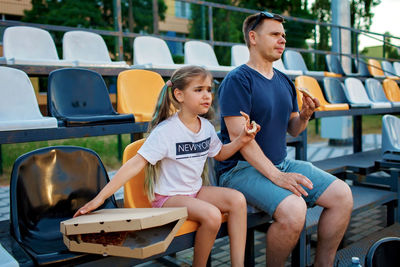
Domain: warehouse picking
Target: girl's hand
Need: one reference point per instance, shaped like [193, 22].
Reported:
[90, 206]
[249, 130]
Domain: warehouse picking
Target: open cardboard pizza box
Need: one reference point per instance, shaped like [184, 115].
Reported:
[134, 233]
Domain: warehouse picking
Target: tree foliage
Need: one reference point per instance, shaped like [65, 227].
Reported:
[137, 16]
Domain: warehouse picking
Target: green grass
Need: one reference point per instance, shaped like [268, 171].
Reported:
[106, 146]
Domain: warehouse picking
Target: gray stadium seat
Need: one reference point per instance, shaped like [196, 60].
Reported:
[88, 49]
[356, 94]
[19, 109]
[375, 92]
[334, 91]
[390, 138]
[202, 54]
[24, 45]
[152, 52]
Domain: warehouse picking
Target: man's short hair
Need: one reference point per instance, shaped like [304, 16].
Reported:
[253, 21]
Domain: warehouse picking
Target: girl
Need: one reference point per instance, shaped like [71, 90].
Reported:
[177, 148]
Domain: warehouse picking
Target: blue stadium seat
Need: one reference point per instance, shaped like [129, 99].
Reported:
[376, 93]
[335, 90]
[384, 253]
[356, 94]
[390, 138]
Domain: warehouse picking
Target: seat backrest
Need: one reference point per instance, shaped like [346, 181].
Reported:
[391, 89]
[239, 55]
[82, 45]
[355, 91]
[17, 96]
[362, 67]
[278, 64]
[375, 68]
[312, 86]
[294, 61]
[200, 53]
[388, 68]
[333, 63]
[134, 193]
[334, 90]
[396, 66]
[138, 92]
[28, 43]
[148, 49]
[384, 253]
[375, 90]
[390, 133]
[74, 91]
[48, 186]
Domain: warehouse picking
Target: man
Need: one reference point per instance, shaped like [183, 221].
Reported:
[281, 187]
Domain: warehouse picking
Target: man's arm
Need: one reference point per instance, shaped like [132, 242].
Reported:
[299, 120]
[256, 157]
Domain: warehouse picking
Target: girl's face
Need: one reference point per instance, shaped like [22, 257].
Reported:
[196, 96]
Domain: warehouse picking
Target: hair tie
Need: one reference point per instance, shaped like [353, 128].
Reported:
[169, 83]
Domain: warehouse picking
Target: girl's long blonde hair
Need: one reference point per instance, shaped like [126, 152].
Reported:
[166, 106]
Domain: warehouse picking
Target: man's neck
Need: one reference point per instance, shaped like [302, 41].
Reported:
[261, 65]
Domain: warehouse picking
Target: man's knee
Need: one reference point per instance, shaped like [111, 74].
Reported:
[291, 213]
[339, 195]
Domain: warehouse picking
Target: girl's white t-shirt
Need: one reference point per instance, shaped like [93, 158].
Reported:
[183, 154]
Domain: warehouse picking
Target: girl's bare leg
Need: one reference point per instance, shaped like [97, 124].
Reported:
[209, 218]
[234, 203]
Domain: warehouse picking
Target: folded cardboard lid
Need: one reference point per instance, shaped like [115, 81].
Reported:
[116, 220]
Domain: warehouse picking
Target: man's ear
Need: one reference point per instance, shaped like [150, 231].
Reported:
[178, 95]
[252, 37]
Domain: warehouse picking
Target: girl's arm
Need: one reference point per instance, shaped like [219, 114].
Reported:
[131, 168]
[245, 136]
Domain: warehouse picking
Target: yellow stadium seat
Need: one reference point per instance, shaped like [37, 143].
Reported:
[392, 90]
[135, 195]
[313, 87]
[375, 68]
[138, 92]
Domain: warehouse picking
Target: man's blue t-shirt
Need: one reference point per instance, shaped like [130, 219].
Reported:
[268, 102]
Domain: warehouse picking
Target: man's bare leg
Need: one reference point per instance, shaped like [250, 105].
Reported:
[284, 233]
[337, 201]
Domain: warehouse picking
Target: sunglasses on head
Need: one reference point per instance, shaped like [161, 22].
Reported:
[265, 14]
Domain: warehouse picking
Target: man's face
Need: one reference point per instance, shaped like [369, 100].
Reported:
[269, 39]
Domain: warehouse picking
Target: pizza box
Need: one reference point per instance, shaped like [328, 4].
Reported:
[135, 233]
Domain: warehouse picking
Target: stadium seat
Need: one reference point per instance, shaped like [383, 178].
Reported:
[152, 52]
[396, 67]
[202, 54]
[388, 69]
[335, 93]
[294, 61]
[88, 49]
[391, 89]
[239, 55]
[390, 138]
[24, 45]
[135, 196]
[79, 97]
[19, 109]
[375, 92]
[312, 86]
[334, 65]
[384, 253]
[48, 186]
[356, 94]
[375, 68]
[362, 68]
[137, 92]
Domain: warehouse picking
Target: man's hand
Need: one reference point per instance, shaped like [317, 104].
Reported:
[309, 106]
[293, 182]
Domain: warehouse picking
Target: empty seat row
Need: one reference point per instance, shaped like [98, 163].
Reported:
[350, 94]
[76, 97]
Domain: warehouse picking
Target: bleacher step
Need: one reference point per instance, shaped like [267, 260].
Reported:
[360, 248]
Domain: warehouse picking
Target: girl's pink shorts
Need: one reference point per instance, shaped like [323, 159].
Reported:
[159, 200]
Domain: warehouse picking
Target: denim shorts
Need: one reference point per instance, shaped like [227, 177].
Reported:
[264, 194]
